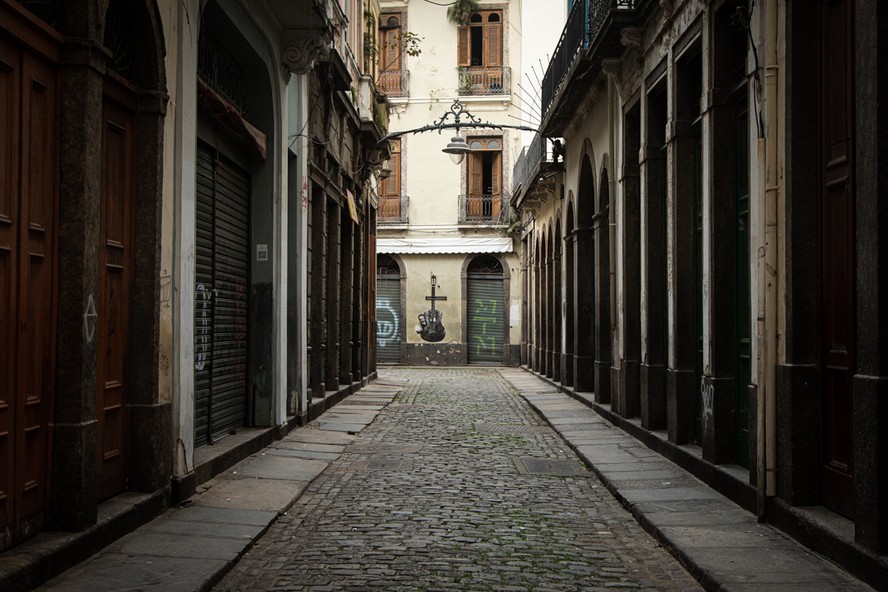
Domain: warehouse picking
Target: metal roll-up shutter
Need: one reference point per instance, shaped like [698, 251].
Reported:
[221, 304]
[232, 249]
[203, 295]
[486, 319]
[388, 319]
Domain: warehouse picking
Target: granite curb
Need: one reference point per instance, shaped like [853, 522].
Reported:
[722, 545]
[191, 546]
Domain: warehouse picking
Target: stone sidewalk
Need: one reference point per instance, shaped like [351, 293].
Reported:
[374, 490]
[190, 547]
[722, 545]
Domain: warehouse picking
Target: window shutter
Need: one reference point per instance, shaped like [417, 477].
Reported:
[475, 174]
[462, 42]
[392, 50]
[473, 199]
[496, 182]
[493, 40]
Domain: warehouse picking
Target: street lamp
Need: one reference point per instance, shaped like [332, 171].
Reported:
[457, 148]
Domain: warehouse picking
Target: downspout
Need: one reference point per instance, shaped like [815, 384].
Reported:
[613, 98]
[767, 416]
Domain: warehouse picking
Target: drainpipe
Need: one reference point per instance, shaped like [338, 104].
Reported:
[768, 157]
[613, 114]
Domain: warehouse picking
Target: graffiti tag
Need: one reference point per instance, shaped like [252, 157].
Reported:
[387, 324]
[89, 320]
[202, 326]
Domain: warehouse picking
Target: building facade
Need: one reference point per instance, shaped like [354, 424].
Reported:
[702, 254]
[184, 186]
[447, 272]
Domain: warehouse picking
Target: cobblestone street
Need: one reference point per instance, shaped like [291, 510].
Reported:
[457, 485]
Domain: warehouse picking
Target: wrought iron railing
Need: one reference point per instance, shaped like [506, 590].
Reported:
[585, 22]
[539, 151]
[486, 208]
[395, 83]
[219, 69]
[480, 80]
[393, 210]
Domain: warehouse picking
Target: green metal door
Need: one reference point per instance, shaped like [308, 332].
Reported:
[486, 319]
[698, 281]
[742, 318]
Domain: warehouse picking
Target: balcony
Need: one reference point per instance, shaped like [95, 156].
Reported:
[537, 164]
[486, 209]
[584, 36]
[395, 83]
[393, 210]
[480, 81]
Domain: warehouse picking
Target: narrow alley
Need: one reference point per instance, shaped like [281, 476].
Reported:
[456, 478]
[457, 485]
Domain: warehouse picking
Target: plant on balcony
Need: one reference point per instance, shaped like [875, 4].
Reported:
[458, 13]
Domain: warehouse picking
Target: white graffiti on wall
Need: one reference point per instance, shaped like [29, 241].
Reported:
[89, 320]
[202, 326]
[707, 394]
[387, 323]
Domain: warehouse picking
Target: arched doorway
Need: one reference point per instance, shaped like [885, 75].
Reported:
[29, 198]
[389, 317]
[486, 319]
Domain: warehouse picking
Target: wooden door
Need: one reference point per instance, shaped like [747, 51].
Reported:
[837, 250]
[28, 212]
[742, 308]
[114, 306]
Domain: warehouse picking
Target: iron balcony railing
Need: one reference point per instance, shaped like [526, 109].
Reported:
[487, 208]
[480, 80]
[530, 161]
[586, 19]
[395, 83]
[393, 210]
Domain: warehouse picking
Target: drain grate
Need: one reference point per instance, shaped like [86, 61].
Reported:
[550, 466]
[367, 402]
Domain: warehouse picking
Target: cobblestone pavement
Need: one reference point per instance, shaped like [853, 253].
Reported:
[457, 485]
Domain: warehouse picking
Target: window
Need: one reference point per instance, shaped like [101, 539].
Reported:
[481, 41]
[390, 186]
[480, 53]
[484, 196]
[392, 78]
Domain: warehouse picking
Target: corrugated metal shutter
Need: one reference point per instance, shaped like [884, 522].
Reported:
[486, 320]
[388, 319]
[221, 308]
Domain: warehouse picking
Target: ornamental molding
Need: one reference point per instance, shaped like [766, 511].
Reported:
[300, 54]
[631, 37]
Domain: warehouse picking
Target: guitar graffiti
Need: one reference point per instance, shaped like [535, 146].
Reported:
[431, 328]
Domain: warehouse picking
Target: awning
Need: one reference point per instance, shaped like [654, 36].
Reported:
[440, 246]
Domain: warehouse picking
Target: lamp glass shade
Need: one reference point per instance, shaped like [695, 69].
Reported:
[457, 149]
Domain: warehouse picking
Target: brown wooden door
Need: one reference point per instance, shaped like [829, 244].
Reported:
[28, 211]
[115, 287]
[837, 248]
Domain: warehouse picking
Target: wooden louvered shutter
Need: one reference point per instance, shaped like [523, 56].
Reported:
[496, 184]
[463, 56]
[474, 200]
[391, 50]
[493, 44]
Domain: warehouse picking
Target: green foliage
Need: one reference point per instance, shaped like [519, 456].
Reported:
[458, 13]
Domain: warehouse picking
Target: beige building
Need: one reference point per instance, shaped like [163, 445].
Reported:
[448, 228]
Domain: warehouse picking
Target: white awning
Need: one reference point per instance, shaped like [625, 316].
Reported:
[440, 246]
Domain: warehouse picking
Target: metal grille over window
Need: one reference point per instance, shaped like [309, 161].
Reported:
[221, 72]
